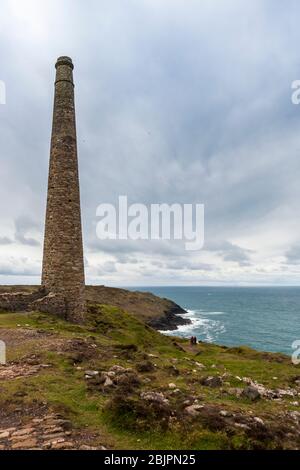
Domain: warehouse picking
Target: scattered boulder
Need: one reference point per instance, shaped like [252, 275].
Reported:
[108, 382]
[259, 420]
[145, 411]
[225, 413]
[255, 388]
[193, 410]
[127, 379]
[145, 366]
[116, 377]
[117, 369]
[111, 374]
[91, 373]
[172, 386]
[296, 380]
[173, 370]
[175, 391]
[213, 381]
[243, 426]
[294, 415]
[156, 397]
[282, 393]
[252, 393]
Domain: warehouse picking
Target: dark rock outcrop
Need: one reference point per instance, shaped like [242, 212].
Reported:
[170, 320]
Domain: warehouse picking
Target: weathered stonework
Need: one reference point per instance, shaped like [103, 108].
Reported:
[18, 301]
[51, 303]
[63, 268]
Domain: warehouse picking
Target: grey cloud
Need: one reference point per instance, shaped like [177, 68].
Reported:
[5, 241]
[19, 267]
[122, 248]
[185, 264]
[293, 255]
[231, 252]
[23, 225]
[107, 267]
[122, 258]
[174, 104]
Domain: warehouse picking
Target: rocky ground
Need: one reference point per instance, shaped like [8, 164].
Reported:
[35, 426]
[116, 383]
[49, 431]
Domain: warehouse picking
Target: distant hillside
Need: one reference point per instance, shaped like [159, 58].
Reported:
[162, 314]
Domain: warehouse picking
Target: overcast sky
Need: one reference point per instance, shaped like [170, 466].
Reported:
[177, 101]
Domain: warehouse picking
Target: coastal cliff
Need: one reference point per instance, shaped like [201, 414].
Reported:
[161, 314]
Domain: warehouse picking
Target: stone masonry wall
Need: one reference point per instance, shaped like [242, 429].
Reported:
[51, 303]
[63, 268]
[18, 301]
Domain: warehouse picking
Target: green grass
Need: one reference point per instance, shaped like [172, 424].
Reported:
[122, 339]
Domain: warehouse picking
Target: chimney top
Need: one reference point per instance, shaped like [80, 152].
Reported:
[64, 60]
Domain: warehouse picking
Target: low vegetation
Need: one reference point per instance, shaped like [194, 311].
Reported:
[123, 385]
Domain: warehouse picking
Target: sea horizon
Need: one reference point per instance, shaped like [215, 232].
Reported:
[257, 318]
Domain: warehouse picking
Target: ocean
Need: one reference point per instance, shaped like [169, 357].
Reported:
[264, 318]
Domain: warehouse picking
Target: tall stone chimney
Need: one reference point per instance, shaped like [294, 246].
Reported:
[63, 267]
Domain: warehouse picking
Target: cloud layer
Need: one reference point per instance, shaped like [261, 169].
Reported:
[176, 101]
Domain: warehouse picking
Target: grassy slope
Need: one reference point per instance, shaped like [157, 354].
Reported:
[143, 305]
[111, 329]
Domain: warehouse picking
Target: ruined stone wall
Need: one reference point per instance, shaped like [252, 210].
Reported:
[18, 301]
[63, 268]
[51, 303]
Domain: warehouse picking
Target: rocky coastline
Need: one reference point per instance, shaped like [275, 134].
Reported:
[159, 313]
[171, 319]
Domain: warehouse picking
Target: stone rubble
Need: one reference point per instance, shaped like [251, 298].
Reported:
[212, 381]
[193, 410]
[15, 371]
[116, 376]
[154, 397]
[255, 391]
[200, 365]
[172, 386]
[50, 432]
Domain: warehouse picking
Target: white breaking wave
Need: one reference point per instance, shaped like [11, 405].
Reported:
[210, 313]
[203, 328]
